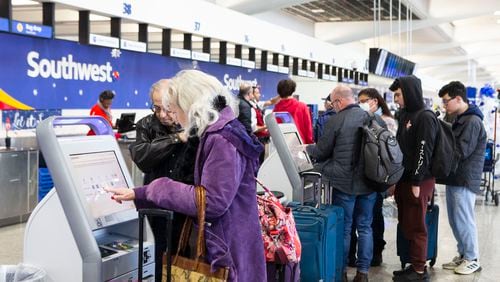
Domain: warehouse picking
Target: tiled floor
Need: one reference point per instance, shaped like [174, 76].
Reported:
[488, 221]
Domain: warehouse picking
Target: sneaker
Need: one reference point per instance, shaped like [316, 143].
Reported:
[402, 271]
[468, 267]
[360, 277]
[408, 274]
[454, 263]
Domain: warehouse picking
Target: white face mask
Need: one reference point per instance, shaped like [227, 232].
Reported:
[365, 106]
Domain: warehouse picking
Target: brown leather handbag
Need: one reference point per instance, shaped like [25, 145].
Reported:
[187, 269]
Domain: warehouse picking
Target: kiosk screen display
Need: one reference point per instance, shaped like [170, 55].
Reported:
[94, 172]
[299, 155]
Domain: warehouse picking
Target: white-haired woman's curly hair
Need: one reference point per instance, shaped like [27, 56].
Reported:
[196, 93]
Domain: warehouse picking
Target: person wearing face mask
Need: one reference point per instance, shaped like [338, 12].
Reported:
[371, 101]
[338, 151]
[161, 149]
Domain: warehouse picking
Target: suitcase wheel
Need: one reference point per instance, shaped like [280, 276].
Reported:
[433, 262]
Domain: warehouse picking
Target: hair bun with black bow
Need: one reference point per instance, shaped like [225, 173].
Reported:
[219, 103]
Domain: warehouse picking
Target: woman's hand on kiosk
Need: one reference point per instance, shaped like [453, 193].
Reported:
[121, 194]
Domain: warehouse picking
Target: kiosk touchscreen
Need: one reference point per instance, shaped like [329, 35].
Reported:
[77, 232]
[281, 170]
[94, 172]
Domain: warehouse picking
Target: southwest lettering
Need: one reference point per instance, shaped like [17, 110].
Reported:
[66, 68]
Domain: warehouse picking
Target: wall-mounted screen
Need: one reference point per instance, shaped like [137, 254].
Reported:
[385, 63]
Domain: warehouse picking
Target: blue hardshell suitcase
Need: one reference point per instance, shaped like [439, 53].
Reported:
[432, 222]
[321, 232]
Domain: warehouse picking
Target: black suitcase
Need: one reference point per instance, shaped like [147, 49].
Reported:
[169, 216]
[432, 222]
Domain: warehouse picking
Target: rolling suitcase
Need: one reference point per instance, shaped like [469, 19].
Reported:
[432, 222]
[321, 232]
[169, 215]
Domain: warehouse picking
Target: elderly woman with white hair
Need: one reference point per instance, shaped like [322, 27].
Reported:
[226, 164]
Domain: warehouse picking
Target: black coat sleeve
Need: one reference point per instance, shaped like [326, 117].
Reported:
[148, 152]
[323, 149]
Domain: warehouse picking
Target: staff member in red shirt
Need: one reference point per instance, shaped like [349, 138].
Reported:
[298, 110]
[103, 107]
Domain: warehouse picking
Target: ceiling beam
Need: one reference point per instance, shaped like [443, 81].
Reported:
[456, 59]
[251, 7]
[346, 32]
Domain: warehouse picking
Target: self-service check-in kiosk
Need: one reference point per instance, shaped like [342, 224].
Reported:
[77, 233]
[287, 159]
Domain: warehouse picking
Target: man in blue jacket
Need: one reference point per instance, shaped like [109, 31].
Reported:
[338, 150]
[463, 185]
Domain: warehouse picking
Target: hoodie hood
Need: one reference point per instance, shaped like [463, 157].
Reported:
[473, 110]
[411, 87]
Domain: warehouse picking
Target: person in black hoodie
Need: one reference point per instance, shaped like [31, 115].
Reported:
[416, 135]
[463, 184]
[161, 149]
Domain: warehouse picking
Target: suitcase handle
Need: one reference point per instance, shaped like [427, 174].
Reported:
[169, 216]
[306, 209]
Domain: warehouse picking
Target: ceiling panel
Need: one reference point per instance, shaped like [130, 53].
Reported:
[345, 10]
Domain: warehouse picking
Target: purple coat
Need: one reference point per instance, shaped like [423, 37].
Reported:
[226, 164]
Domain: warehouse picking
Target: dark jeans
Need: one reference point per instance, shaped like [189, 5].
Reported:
[411, 217]
[360, 208]
[378, 229]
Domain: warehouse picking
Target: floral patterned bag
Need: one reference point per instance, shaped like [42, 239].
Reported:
[281, 240]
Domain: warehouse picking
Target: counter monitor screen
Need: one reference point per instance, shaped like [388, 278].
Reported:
[299, 155]
[126, 122]
[94, 172]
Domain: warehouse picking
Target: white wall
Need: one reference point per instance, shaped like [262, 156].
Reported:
[312, 90]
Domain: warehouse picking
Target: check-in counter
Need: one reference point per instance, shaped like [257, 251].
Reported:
[18, 184]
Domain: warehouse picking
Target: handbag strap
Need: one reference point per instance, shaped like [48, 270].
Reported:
[201, 203]
[263, 186]
[200, 198]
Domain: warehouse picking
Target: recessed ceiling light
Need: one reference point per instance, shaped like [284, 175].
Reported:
[316, 11]
[496, 13]
[334, 19]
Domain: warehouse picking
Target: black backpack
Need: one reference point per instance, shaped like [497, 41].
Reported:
[444, 157]
[382, 156]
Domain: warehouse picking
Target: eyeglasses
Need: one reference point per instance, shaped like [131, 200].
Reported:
[158, 109]
[445, 101]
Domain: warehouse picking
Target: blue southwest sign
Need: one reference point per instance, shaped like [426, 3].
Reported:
[38, 73]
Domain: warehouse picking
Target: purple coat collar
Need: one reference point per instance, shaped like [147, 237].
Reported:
[225, 116]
